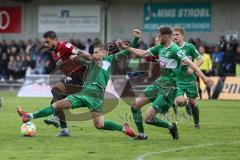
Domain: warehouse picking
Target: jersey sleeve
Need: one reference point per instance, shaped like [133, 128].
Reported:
[70, 49]
[178, 54]
[194, 52]
[124, 53]
[154, 50]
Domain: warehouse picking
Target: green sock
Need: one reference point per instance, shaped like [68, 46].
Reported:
[137, 116]
[160, 123]
[112, 126]
[195, 113]
[43, 112]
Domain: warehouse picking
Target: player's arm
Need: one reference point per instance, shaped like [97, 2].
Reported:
[81, 53]
[139, 52]
[196, 56]
[199, 73]
[134, 42]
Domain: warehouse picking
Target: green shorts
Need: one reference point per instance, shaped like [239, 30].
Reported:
[191, 90]
[90, 96]
[161, 95]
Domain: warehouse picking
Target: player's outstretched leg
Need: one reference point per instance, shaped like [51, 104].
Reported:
[137, 115]
[100, 123]
[153, 120]
[40, 113]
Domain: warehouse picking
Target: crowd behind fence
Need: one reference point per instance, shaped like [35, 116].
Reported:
[17, 56]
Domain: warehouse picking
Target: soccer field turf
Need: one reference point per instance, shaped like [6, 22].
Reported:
[218, 138]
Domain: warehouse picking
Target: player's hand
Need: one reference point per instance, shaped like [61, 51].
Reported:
[137, 33]
[121, 44]
[72, 56]
[208, 82]
[190, 71]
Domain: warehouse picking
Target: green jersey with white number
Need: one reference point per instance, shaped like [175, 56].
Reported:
[192, 53]
[170, 60]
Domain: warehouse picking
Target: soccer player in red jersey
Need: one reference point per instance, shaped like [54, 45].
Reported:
[63, 54]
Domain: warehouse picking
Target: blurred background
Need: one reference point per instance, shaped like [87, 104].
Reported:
[213, 25]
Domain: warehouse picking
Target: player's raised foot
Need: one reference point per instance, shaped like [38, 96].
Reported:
[63, 133]
[141, 136]
[128, 130]
[52, 121]
[23, 114]
[197, 126]
[174, 131]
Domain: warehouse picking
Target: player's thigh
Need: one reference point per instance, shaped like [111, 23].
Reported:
[140, 101]
[98, 119]
[150, 114]
[62, 104]
[161, 104]
[60, 87]
[76, 101]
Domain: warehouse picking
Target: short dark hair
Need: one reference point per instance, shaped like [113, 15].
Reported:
[179, 29]
[101, 46]
[165, 30]
[50, 34]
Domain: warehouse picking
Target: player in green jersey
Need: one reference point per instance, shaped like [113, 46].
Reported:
[186, 80]
[92, 93]
[163, 90]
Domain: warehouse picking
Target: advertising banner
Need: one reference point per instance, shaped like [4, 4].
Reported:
[10, 19]
[69, 18]
[191, 16]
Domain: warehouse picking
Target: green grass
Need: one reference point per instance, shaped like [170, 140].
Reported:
[218, 138]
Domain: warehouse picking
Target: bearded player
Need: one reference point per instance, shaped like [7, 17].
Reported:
[63, 54]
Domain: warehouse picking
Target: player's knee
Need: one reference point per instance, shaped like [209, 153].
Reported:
[98, 125]
[135, 104]
[148, 118]
[180, 101]
[193, 103]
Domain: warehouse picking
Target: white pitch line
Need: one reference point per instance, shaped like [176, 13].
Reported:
[141, 157]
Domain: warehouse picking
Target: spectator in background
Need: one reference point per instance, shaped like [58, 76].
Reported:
[192, 42]
[233, 44]
[12, 67]
[217, 57]
[29, 46]
[198, 43]
[88, 44]
[80, 45]
[27, 62]
[222, 44]
[22, 45]
[228, 65]
[238, 62]
[134, 63]
[206, 68]
[3, 66]
[142, 45]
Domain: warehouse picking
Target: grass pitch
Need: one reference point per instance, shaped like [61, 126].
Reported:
[218, 138]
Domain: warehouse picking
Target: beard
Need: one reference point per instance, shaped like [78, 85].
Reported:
[51, 49]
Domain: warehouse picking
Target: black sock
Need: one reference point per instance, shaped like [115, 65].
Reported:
[195, 113]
